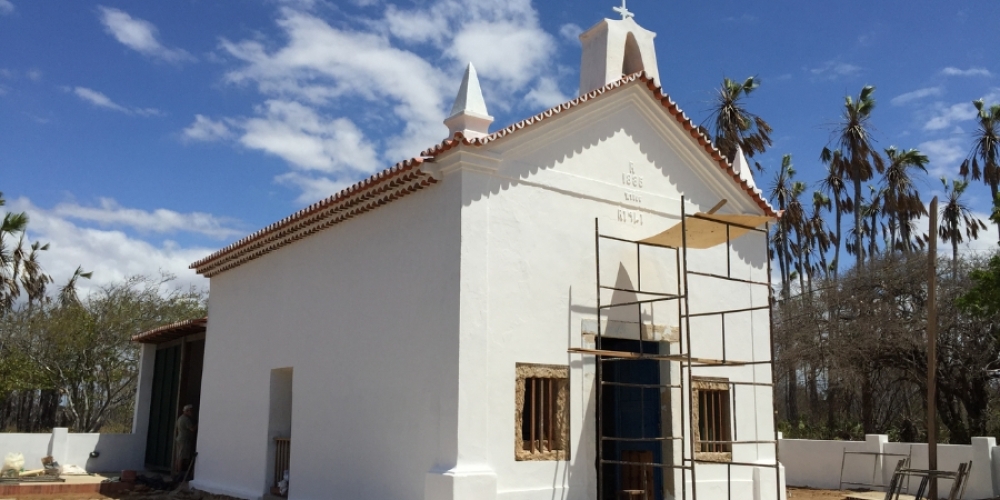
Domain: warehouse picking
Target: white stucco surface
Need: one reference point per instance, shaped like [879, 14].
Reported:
[366, 314]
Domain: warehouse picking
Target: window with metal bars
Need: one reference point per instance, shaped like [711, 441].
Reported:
[542, 412]
[713, 421]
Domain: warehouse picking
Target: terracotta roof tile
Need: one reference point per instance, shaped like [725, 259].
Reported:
[172, 331]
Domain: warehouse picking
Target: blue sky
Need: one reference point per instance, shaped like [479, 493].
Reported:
[142, 136]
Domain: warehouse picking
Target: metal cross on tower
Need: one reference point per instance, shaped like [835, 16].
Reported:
[625, 13]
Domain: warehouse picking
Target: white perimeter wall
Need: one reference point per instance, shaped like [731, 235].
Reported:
[116, 452]
[365, 313]
[817, 464]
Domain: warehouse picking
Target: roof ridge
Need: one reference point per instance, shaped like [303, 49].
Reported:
[352, 199]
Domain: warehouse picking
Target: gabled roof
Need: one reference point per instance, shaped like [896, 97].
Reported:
[664, 99]
[176, 330]
[407, 177]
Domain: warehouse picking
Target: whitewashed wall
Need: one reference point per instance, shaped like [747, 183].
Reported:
[366, 315]
[817, 464]
[116, 452]
[535, 209]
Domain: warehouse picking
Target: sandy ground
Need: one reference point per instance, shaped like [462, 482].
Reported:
[811, 494]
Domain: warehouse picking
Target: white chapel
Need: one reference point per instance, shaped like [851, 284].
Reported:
[574, 306]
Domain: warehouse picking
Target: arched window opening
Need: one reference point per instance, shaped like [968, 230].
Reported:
[632, 61]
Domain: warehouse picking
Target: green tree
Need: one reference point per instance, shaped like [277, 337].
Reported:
[81, 348]
[736, 129]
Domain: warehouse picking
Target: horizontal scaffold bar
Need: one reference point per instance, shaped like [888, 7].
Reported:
[640, 292]
[661, 357]
[635, 302]
[730, 311]
[641, 440]
[642, 386]
[729, 278]
[645, 464]
[623, 240]
[717, 220]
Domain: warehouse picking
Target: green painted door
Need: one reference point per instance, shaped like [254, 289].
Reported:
[163, 407]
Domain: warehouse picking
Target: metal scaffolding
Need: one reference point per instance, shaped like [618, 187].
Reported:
[634, 474]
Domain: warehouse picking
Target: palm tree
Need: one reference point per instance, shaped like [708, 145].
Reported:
[985, 149]
[901, 201]
[858, 154]
[19, 266]
[10, 270]
[872, 211]
[836, 188]
[955, 217]
[735, 128]
[781, 192]
[819, 237]
[796, 215]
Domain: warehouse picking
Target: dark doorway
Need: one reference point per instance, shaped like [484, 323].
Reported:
[162, 407]
[176, 382]
[630, 419]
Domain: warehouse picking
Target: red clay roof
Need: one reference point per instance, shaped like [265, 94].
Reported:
[166, 333]
[406, 177]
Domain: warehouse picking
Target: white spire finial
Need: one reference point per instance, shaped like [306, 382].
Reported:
[468, 114]
[625, 13]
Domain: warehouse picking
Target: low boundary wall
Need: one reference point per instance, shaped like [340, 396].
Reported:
[115, 451]
[817, 464]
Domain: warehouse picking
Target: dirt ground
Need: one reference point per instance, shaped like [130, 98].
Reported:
[132, 495]
[812, 494]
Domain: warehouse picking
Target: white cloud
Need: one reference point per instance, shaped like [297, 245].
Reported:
[111, 255]
[946, 116]
[745, 18]
[505, 51]
[139, 35]
[313, 188]
[945, 155]
[916, 95]
[109, 213]
[546, 94]
[206, 129]
[571, 32]
[303, 138]
[401, 97]
[952, 71]
[6, 7]
[102, 101]
[835, 69]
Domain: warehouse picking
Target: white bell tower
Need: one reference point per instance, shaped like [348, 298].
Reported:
[612, 48]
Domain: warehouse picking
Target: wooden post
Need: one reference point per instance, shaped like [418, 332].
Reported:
[932, 349]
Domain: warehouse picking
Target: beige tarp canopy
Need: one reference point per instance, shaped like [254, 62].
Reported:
[705, 230]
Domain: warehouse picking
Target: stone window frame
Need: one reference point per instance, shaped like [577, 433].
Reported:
[526, 371]
[711, 384]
